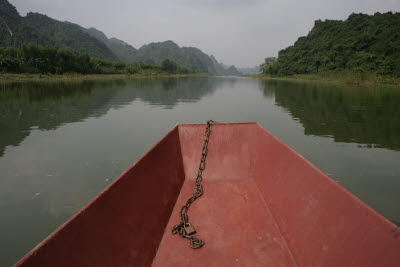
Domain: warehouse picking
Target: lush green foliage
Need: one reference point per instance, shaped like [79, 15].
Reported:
[169, 65]
[44, 59]
[266, 67]
[362, 43]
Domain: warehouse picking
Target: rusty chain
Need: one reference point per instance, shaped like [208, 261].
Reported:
[184, 228]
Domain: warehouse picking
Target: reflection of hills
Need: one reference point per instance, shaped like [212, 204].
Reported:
[365, 115]
[167, 92]
[48, 105]
[45, 106]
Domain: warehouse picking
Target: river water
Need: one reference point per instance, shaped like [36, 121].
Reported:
[61, 143]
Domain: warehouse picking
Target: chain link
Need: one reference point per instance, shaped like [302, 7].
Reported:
[184, 228]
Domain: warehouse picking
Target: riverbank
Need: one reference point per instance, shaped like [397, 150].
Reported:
[343, 77]
[24, 77]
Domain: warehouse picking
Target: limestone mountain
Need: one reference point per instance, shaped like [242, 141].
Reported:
[39, 29]
[35, 28]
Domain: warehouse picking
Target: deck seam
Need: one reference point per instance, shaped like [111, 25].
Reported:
[268, 211]
[274, 221]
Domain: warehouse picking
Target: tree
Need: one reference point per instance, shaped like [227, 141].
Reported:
[169, 66]
[266, 66]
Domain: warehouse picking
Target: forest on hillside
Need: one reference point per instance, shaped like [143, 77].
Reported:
[361, 44]
[45, 59]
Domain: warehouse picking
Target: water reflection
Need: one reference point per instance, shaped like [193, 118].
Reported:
[168, 92]
[368, 116]
[46, 106]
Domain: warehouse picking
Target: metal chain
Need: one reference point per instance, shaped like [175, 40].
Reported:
[184, 228]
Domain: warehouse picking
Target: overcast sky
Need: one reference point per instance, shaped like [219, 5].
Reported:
[239, 32]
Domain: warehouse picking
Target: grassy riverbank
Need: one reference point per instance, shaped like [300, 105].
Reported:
[348, 77]
[11, 77]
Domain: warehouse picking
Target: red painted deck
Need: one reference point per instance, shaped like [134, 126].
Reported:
[264, 205]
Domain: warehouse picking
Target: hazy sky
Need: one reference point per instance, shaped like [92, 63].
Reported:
[239, 32]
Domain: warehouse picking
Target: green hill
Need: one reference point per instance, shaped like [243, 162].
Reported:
[362, 43]
[14, 30]
[40, 29]
[69, 35]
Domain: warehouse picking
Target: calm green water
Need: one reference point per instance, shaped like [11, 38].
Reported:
[62, 143]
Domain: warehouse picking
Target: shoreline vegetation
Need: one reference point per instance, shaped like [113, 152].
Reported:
[33, 62]
[29, 77]
[347, 77]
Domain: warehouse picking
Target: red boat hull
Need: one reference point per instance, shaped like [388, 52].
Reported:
[264, 204]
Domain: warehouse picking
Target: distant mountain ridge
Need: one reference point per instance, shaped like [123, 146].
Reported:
[154, 53]
[39, 29]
